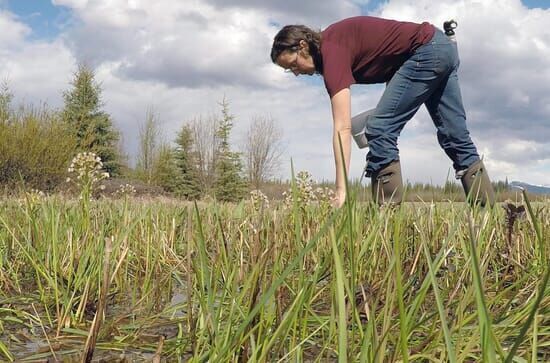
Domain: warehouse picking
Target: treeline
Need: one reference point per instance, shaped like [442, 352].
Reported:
[201, 161]
[451, 190]
[38, 143]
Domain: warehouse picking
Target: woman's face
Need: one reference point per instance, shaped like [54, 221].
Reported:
[297, 61]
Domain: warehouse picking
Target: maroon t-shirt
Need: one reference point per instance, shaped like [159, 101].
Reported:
[368, 50]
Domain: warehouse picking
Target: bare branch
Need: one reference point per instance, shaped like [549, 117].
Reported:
[262, 149]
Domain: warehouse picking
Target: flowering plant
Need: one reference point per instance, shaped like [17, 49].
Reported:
[306, 194]
[125, 190]
[258, 198]
[86, 171]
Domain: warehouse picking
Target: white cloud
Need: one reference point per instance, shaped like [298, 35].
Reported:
[35, 71]
[191, 43]
[39, 72]
[16, 34]
[183, 56]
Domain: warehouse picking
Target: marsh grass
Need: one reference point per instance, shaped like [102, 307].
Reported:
[422, 282]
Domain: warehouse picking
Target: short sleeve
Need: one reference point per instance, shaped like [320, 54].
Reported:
[337, 73]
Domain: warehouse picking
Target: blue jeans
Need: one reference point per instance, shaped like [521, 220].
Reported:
[428, 77]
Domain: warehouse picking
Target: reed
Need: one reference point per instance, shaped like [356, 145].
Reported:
[300, 282]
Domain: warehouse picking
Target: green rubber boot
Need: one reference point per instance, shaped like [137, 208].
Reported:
[387, 184]
[477, 185]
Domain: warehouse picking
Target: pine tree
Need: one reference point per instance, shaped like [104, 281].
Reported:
[186, 162]
[165, 170]
[229, 184]
[93, 127]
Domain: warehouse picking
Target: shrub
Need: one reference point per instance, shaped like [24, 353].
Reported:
[35, 147]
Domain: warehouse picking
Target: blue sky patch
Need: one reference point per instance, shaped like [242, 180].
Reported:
[543, 4]
[45, 19]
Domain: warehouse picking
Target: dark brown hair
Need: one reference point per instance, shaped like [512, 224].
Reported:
[289, 37]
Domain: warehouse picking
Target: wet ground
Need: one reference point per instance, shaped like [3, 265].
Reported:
[26, 340]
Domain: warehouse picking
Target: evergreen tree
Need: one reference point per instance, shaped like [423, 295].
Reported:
[186, 162]
[165, 173]
[229, 184]
[93, 127]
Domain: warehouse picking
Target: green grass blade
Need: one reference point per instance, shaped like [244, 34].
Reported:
[4, 350]
[487, 345]
[340, 302]
[541, 293]
[403, 325]
[442, 314]
[536, 226]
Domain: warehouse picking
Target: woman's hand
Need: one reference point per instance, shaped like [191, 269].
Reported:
[339, 198]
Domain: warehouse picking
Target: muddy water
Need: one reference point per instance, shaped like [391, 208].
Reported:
[29, 345]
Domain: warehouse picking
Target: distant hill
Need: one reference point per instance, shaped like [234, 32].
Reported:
[535, 189]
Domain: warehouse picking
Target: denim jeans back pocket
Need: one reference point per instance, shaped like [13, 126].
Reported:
[424, 62]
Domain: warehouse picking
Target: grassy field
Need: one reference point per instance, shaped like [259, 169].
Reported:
[162, 280]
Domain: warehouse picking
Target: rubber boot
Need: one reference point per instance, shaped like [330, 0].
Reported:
[387, 184]
[476, 184]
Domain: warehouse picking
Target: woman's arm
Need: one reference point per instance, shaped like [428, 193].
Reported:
[341, 116]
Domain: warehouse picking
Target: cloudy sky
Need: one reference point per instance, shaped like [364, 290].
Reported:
[182, 57]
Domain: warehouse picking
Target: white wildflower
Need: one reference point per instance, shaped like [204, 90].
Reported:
[258, 198]
[125, 190]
